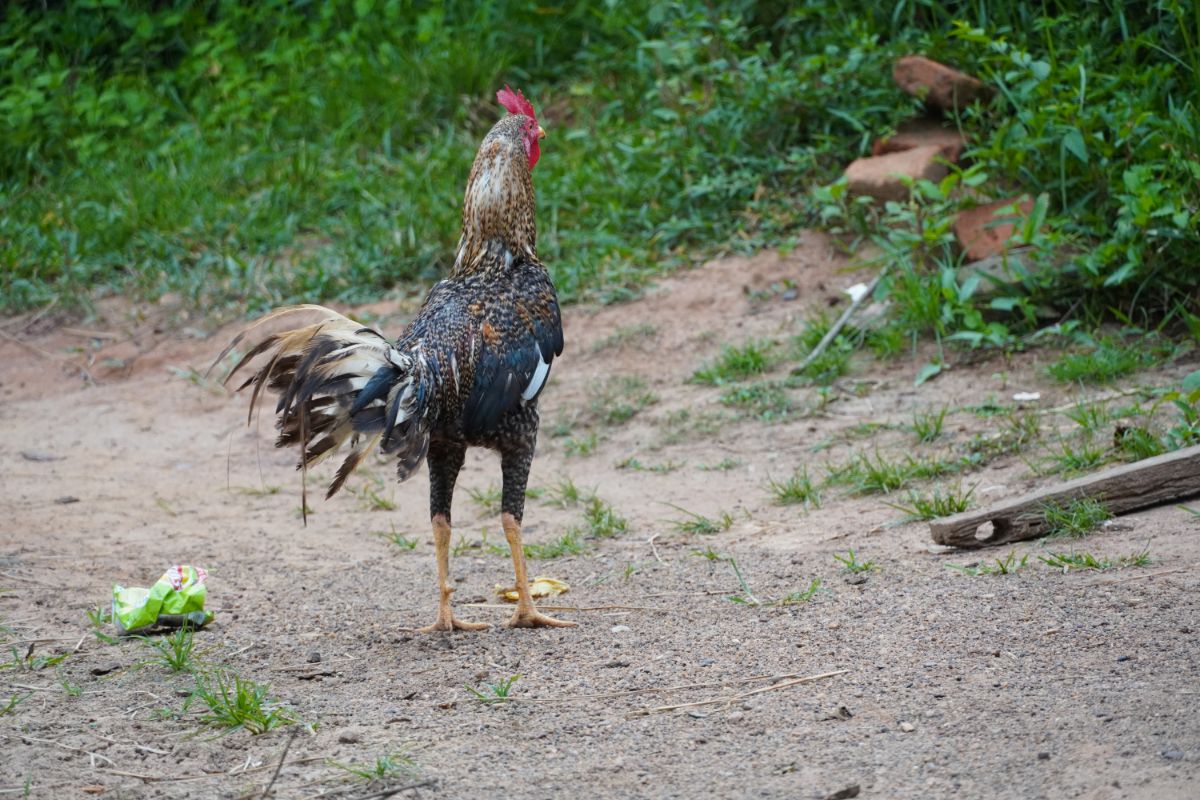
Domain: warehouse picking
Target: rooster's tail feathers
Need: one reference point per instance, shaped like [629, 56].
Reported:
[338, 381]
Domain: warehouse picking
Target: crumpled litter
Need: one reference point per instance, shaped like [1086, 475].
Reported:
[176, 599]
[541, 586]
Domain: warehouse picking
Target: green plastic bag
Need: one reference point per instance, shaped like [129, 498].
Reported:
[175, 600]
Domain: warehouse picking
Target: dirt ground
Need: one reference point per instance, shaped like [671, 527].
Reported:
[927, 682]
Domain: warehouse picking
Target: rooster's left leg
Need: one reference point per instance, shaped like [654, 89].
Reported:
[515, 466]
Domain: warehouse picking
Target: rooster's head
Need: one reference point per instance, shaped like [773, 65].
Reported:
[523, 122]
[498, 208]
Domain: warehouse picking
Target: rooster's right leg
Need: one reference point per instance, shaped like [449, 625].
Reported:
[444, 463]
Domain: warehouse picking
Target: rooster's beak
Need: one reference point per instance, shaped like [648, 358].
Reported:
[541, 132]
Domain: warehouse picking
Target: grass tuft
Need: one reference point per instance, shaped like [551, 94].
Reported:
[174, 650]
[602, 521]
[851, 564]
[494, 693]
[736, 364]
[235, 702]
[927, 425]
[382, 769]
[569, 544]
[1076, 518]
[999, 566]
[797, 489]
[939, 503]
[1085, 560]
[698, 523]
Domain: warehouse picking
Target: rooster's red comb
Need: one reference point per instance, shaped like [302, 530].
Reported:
[515, 102]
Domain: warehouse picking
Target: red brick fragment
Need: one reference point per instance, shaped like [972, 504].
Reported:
[879, 176]
[981, 234]
[941, 87]
[921, 133]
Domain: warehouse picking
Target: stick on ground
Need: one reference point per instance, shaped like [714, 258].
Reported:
[832, 333]
[1152, 481]
[733, 698]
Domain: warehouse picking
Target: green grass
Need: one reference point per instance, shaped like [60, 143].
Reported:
[370, 492]
[724, 465]
[997, 566]
[384, 768]
[487, 499]
[736, 364]
[1107, 359]
[1082, 456]
[174, 650]
[796, 489]
[494, 693]
[851, 564]
[927, 425]
[583, 445]
[746, 596]
[569, 544]
[804, 596]
[1092, 418]
[708, 554]
[879, 474]
[1069, 561]
[567, 494]
[234, 702]
[662, 468]
[98, 618]
[70, 689]
[239, 156]
[763, 400]
[30, 661]
[1137, 443]
[833, 362]
[329, 165]
[601, 521]
[698, 523]
[399, 539]
[258, 491]
[1076, 518]
[10, 706]
[941, 502]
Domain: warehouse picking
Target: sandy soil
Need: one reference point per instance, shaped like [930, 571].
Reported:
[935, 683]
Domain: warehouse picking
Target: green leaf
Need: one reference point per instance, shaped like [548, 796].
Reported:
[926, 372]
[1073, 143]
[1191, 382]
[1036, 218]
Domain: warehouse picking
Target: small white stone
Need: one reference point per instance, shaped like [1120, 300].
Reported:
[621, 629]
[907, 727]
[856, 291]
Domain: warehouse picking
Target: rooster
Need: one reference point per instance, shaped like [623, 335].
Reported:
[466, 373]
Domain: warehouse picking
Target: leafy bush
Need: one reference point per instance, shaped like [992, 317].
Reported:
[261, 153]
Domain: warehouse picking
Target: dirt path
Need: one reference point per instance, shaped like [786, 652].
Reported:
[1033, 684]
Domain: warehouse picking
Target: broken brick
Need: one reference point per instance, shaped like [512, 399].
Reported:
[981, 231]
[881, 176]
[940, 86]
[922, 132]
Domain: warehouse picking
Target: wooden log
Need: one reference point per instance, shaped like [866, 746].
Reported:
[1162, 479]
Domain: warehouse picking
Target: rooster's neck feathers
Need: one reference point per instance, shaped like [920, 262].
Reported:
[498, 208]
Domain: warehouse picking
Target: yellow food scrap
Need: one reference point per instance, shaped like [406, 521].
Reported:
[541, 586]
